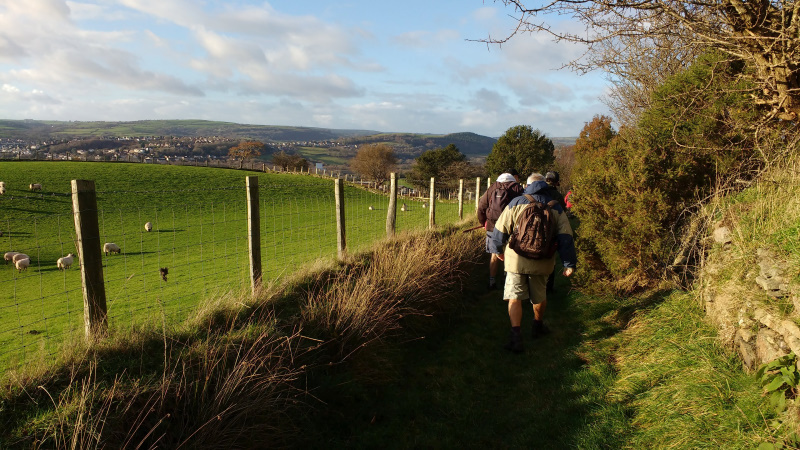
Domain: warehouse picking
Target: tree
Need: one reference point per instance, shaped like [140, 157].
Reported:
[434, 164]
[763, 34]
[246, 150]
[374, 162]
[288, 162]
[523, 149]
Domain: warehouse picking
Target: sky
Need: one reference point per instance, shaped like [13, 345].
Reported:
[411, 66]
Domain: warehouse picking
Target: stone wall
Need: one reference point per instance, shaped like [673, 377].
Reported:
[746, 322]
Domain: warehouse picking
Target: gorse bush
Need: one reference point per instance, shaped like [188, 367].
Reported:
[631, 188]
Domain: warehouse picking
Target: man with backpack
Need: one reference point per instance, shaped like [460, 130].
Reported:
[490, 206]
[533, 226]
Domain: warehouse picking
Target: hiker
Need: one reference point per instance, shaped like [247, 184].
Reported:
[553, 182]
[490, 206]
[526, 277]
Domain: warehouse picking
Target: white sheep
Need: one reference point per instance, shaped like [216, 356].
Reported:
[148, 227]
[2, 190]
[22, 264]
[371, 208]
[404, 207]
[110, 247]
[36, 186]
[19, 256]
[9, 256]
[2, 184]
[65, 262]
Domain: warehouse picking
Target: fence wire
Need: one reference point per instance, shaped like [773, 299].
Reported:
[195, 250]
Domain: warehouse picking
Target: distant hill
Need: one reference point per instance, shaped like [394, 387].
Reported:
[37, 129]
[407, 144]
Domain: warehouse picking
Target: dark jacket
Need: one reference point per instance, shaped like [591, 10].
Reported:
[507, 221]
[552, 192]
[488, 214]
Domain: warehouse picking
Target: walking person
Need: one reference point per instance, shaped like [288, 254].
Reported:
[490, 206]
[553, 182]
[526, 277]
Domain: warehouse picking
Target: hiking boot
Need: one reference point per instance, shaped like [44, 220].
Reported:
[514, 343]
[539, 329]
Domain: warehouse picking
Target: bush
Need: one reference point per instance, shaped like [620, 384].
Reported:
[631, 189]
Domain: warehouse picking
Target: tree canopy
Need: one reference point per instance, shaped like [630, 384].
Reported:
[439, 164]
[288, 162]
[521, 148]
[246, 150]
[374, 162]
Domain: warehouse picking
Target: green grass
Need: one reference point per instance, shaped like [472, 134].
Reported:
[318, 154]
[200, 223]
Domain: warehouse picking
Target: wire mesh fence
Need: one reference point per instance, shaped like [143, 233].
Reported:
[194, 249]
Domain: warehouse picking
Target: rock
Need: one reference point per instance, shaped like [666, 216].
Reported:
[748, 353]
[770, 345]
[722, 235]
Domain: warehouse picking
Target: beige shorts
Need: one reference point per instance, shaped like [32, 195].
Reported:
[523, 287]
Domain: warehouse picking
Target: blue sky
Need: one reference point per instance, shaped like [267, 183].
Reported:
[395, 67]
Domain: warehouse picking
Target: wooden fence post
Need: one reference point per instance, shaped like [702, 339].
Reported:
[460, 199]
[477, 192]
[432, 204]
[87, 231]
[254, 233]
[341, 240]
[391, 214]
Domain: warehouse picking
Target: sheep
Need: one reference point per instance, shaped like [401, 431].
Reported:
[110, 247]
[2, 190]
[164, 271]
[404, 207]
[65, 262]
[371, 208]
[36, 186]
[9, 256]
[19, 256]
[148, 227]
[22, 264]
[2, 184]
[424, 205]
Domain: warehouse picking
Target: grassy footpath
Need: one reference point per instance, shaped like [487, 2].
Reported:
[604, 378]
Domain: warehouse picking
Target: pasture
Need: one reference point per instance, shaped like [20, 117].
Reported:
[199, 233]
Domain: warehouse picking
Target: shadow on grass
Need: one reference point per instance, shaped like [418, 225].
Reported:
[456, 387]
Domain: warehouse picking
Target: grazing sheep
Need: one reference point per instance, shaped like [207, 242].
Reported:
[424, 205]
[371, 208]
[148, 227]
[22, 264]
[110, 247]
[36, 186]
[19, 256]
[404, 207]
[65, 262]
[9, 256]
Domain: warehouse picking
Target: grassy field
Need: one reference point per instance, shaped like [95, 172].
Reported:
[199, 233]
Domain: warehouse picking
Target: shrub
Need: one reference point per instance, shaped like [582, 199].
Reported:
[631, 189]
